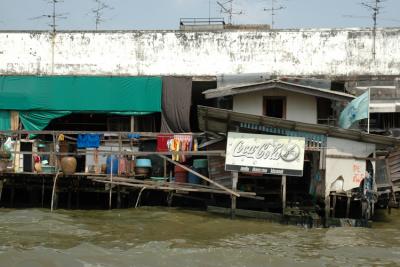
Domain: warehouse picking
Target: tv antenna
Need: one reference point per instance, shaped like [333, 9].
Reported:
[227, 8]
[54, 16]
[375, 6]
[98, 12]
[274, 8]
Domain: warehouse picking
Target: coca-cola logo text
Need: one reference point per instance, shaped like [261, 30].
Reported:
[269, 151]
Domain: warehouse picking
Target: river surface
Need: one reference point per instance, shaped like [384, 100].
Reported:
[173, 237]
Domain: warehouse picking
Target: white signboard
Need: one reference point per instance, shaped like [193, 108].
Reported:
[271, 154]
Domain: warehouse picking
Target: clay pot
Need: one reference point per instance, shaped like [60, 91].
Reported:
[38, 167]
[68, 165]
[103, 168]
[143, 172]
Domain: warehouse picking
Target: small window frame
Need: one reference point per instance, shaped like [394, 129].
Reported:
[284, 105]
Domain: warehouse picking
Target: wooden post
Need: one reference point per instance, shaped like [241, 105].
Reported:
[165, 168]
[54, 196]
[1, 188]
[119, 152]
[69, 198]
[42, 191]
[55, 151]
[283, 194]
[12, 194]
[111, 185]
[334, 206]
[118, 197]
[235, 178]
[348, 205]
[132, 123]
[327, 205]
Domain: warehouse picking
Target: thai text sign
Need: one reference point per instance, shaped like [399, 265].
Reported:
[271, 154]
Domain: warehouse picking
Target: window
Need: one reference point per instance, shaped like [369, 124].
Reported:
[275, 106]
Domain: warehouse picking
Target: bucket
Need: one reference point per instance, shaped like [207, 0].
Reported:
[193, 178]
[180, 175]
[144, 163]
[200, 163]
[114, 160]
[142, 172]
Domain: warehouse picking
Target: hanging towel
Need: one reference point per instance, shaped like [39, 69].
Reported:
[184, 141]
[162, 140]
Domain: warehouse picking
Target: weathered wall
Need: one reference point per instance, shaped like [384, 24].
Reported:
[317, 52]
[351, 170]
[299, 107]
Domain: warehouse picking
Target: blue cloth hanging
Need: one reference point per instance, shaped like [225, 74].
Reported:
[88, 141]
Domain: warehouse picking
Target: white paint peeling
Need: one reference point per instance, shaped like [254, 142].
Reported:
[323, 52]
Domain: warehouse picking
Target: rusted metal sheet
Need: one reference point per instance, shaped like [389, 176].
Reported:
[216, 166]
[394, 167]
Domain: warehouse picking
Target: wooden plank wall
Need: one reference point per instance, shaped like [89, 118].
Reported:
[394, 167]
[216, 166]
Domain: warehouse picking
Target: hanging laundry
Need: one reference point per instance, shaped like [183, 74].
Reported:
[61, 137]
[174, 146]
[162, 140]
[181, 142]
[88, 141]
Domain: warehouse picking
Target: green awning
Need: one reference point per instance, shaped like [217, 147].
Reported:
[5, 120]
[81, 94]
[38, 120]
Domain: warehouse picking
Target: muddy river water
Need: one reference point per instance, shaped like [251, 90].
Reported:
[173, 237]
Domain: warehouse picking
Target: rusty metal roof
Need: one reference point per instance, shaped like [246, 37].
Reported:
[277, 84]
[221, 120]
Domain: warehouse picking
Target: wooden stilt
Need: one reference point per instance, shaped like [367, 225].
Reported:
[235, 178]
[138, 198]
[69, 198]
[165, 168]
[1, 188]
[372, 208]
[77, 199]
[42, 192]
[327, 206]
[118, 197]
[111, 186]
[334, 206]
[12, 195]
[283, 194]
[348, 205]
[170, 198]
[31, 196]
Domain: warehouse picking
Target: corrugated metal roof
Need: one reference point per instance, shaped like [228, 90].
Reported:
[277, 84]
[220, 120]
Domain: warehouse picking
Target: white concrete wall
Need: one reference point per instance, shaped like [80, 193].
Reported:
[299, 107]
[326, 52]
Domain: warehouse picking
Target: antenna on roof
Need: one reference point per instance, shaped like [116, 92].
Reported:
[375, 6]
[53, 16]
[209, 10]
[227, 8]
[98, 12]
[273, 11]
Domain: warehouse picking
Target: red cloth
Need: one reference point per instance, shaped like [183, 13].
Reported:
[162, 140]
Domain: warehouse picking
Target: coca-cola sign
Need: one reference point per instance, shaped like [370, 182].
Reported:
[271, 154]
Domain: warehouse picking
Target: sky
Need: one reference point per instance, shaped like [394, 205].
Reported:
[165, 14]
